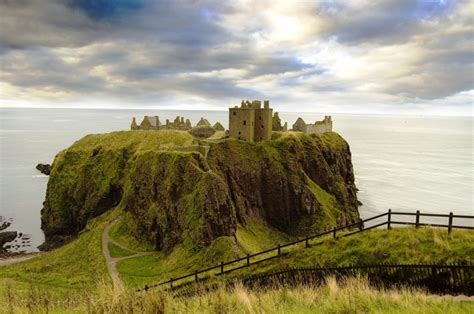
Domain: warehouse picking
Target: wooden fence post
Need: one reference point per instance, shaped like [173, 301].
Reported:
[196, 276]
[248, 259]
[306, 243]
[389, 219]
[417, 221]
[279, 249]
[361, 225]
[334, 232]
[450, 224]
[171, 283]
[222, 267]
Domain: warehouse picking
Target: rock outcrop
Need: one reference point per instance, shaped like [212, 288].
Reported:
[297, 184]
[44, 168]
[5, 237]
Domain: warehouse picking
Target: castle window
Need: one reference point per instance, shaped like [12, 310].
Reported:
[235, 113]
[239, 132]
[260, 118]
[262, 126]
[245, 122]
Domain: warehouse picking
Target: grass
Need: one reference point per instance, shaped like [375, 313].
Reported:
[137, 140]
[117, 251]
[122, 234]
[149, 269]
[65, 273]
[255, 236]
[183, 259]
[396, 246]
[352, 295]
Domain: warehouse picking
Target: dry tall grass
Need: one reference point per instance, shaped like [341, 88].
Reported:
[354, 295]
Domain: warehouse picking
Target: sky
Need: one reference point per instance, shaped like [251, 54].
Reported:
[358, 56]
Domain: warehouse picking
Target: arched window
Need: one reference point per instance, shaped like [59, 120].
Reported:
[245, 122]
[235, 113]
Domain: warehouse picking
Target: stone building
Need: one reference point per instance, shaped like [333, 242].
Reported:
[317, 128]
[218, 127]
[203, 122]
[148, 123]
[250, 122]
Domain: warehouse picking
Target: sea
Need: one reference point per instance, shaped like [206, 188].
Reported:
[402, 163]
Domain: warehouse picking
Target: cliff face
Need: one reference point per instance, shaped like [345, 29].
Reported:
[297, 184]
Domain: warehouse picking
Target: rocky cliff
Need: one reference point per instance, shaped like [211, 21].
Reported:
[297, 184]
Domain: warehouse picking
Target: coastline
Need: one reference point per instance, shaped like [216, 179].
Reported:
[17, 257]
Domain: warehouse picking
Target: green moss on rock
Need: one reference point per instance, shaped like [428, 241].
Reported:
[295, 184]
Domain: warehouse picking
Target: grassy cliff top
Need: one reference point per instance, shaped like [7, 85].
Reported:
[142, 140]
[137, 140]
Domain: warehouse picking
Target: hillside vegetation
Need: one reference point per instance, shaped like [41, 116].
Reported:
[189, 213]
[294, 185]
[73, 277]
[352, 296]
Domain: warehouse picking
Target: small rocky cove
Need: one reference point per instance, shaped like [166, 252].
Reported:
[12, 242]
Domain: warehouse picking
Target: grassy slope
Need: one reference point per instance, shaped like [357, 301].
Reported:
[396, 246]
[68, 271]
[121, 233]
[399, 245]
[141, 143]
[139, 140]
[116, 251]
[352, 296]
[136, 272]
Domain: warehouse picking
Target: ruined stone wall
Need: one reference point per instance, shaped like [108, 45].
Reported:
[263, 124]
[242, 124]
[320, 126]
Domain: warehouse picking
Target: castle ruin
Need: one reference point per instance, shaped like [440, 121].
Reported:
[153, 123]
[317, 128]
[250, 122]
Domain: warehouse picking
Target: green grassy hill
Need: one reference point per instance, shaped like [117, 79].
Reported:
[74, 278]
[190, 213]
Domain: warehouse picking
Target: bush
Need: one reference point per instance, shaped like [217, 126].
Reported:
[202, 131]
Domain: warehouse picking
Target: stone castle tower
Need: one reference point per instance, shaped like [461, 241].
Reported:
[250, 122]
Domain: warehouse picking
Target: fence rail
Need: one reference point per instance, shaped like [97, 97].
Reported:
[359, 226]
[452, 279]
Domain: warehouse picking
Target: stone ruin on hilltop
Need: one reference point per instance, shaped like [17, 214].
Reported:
[252, 123]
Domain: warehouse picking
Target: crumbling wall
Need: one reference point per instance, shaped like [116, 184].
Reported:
[317, 128]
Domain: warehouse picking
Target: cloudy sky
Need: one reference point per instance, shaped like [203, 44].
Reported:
[363, 56]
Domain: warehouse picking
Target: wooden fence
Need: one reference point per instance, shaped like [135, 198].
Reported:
[275, 252]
